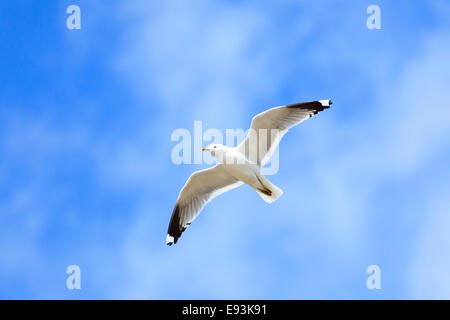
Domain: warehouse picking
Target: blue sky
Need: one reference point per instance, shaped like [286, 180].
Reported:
[86, 118]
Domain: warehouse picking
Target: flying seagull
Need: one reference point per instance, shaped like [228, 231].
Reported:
[239, 165]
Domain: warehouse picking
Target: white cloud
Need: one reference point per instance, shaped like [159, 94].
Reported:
[337, 188]
[199, 60]
[428, 276]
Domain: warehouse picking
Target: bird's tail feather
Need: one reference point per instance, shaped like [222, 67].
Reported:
[268, 191]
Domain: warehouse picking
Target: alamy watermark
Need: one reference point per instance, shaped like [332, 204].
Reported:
[188, 149]
[374, 20]
[374, 280]
[74, 20]
[73, 281]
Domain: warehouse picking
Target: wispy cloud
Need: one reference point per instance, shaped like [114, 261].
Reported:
[97, 190]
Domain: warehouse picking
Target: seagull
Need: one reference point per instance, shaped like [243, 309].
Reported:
[239, 165]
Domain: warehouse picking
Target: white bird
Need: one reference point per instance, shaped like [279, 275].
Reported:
[241, 164]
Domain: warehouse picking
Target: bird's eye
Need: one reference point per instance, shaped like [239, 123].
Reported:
[214, 147]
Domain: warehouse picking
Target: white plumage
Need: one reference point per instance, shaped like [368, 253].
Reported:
[241, 164]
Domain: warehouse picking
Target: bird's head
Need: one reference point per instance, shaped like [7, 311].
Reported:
[215, 149]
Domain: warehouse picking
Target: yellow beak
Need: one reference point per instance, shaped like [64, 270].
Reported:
[204, 149]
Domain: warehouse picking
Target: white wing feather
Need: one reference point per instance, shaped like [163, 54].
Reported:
[270, 126]
[201, 187]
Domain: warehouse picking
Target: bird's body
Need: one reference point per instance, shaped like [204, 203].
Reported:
[239, 165]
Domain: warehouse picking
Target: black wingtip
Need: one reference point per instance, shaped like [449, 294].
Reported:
[313, 106]
[175, 229]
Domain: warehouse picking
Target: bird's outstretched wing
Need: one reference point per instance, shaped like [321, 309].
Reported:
[201, 187]
[269, 127]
